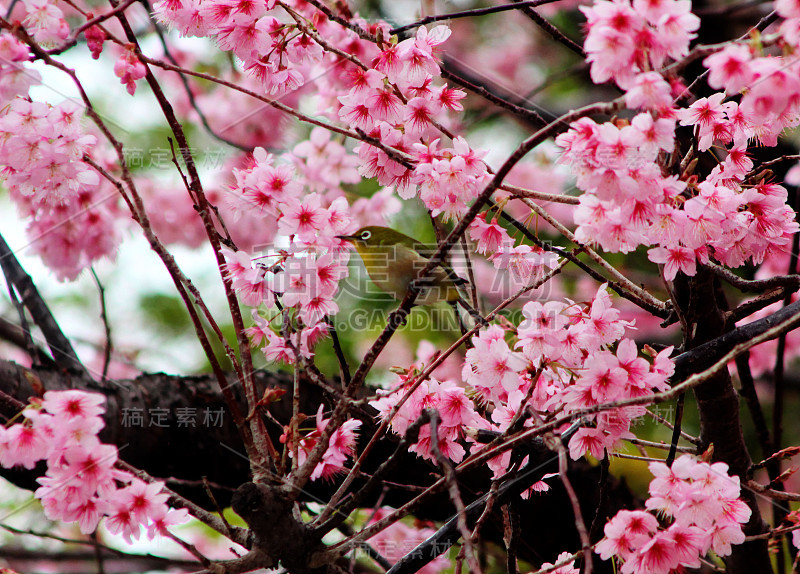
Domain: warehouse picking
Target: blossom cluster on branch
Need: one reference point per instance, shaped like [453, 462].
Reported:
[82, 483]
[700, 499]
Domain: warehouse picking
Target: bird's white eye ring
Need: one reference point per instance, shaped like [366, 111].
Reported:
[366, 235]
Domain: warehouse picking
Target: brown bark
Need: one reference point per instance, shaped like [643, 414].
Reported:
[702, 307]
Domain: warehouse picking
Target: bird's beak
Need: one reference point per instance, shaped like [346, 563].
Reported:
[347, 237]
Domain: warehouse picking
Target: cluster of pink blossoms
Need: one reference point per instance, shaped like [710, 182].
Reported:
[769, 103]
[392, 98]
[306, 275]
[790, 28]
[455, 408]
[628, 201]
[81, 483]
[41, 151]
[340, 447]
[703, 503]
[275, 51]
[449, 179]
[324, 163]
[396, 102]
[571, 347]
[46, 23]
[580, 359]
[624, 39]
[16, 77]
[389, 88]
[568, 568]
[526, 263]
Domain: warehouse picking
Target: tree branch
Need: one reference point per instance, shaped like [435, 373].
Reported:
[60, 347]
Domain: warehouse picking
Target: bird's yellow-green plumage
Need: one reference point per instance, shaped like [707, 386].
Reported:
[394, 260]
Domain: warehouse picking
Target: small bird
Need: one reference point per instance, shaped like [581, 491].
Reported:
[393, 261]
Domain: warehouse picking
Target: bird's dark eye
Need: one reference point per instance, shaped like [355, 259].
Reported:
[366, 235]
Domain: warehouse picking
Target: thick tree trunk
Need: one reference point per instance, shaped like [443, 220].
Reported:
[702, 308]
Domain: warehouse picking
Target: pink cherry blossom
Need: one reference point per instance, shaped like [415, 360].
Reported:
[302, 218]
[674, 259]
[491, 364]
[340, 446]
[568, 568]
[122, 521]
[730, 68]
[129, 69]
[73, 404]
[625, 532]
[23, 445]
[162, 518]
[649, 91]
[143, 499]
[46, 22]
[95, 36]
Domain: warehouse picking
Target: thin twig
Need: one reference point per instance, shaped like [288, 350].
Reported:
[269, 101]
[86, 542]
[636, 457]
[455, 494]
[661, 445]
[106, 325]
[98, 555]
[190, 548]
[213, 499]
[512, 540]
[23, 336]
[553, 32]
[772, 493]
[344, 367]
[517, 191]
[470, 14]
[772, 162]
[502, 101]
[748, 391]
[602, 498]
[755, 304]
[676, 429]
[658, 418]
